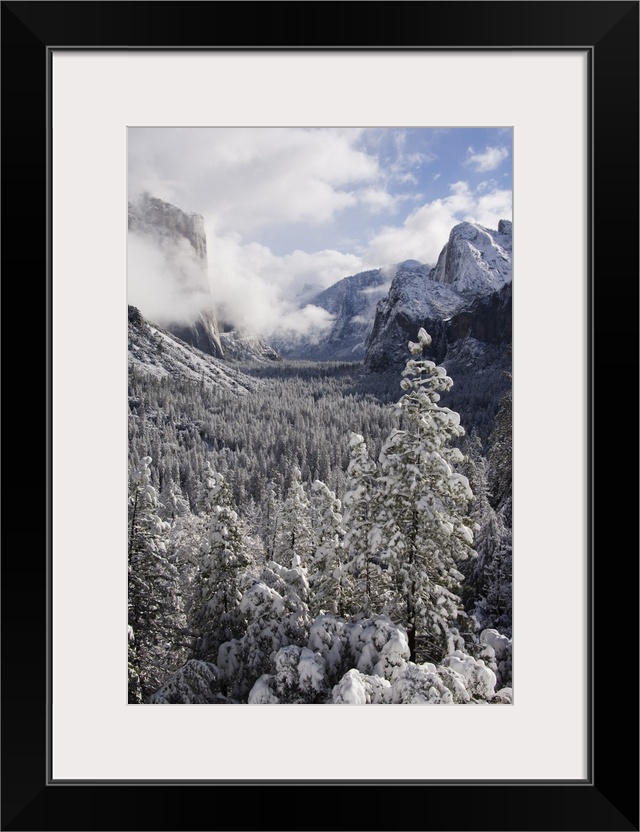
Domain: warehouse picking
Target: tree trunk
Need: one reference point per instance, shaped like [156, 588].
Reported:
[412, 644]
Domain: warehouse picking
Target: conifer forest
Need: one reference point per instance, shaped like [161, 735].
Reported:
[319, 512]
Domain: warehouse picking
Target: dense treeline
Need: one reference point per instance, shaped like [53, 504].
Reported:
[308, 542]
[298, 415]
[301, 413]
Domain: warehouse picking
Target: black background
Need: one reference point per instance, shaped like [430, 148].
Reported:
[609, 799]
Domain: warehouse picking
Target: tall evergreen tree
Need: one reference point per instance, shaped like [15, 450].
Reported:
[326, 576]
[495, 605]
[294, 535]
[497, 588]
[156, 615]
[224, 557]
[172, 503]
[424, 529]
[363, 574]
[270, 520]
[499, 459]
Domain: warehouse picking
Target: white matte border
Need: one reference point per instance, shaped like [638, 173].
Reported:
[96, 95]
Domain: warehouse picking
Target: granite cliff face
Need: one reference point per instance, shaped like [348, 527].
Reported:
[475, 261]
[150, 215]
[239, 347]
[414, 300]
[182, 240]
[352, 301]
[466, 297]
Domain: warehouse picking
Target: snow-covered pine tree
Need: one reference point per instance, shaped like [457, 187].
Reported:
[326, 576]
[156, 615]
[184, 543]
[172, 503]
[486, 530]
[424, 528]
[487, 590]
[134, 688]
[499, 459]
[497, 588]
[270, 520]
[363, 574]
[207, 490]
[494, 608]
[217, 615]
[294, 535]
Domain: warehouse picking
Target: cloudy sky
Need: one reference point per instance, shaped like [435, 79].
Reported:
[291, 208]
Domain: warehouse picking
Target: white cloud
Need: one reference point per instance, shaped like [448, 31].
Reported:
[284, 179]
[489, 159]
[165, 281]
[377, 200]
[248, 179]
[426, 230]
[487, 183]
[258, 291]
[407, 161]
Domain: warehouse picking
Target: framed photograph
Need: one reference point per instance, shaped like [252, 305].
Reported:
[87, 85]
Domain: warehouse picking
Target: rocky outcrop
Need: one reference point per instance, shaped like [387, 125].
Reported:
[475, 261]
[181, 238]
[414, 301]
[487, 319]
[239, 347]
[352, 301]
[466, 297]
[150, 215]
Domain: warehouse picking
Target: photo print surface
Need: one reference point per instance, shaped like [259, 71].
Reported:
[320, 434]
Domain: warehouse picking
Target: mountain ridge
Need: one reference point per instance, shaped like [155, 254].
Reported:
[475, 263]
[155, 351]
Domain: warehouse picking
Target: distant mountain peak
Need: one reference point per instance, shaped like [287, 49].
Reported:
[475, 263]
[476, 260]
[352, 302]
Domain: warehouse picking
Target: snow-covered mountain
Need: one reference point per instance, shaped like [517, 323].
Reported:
[181, 240]
[157, 352]
[448, 301]
[352, 302]
[377, 311]
[476, 261]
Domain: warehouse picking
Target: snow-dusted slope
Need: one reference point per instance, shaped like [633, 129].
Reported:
[474, 264]
[156, 352]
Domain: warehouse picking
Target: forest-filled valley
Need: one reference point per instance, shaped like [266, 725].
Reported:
[320, 461]
[320, 534]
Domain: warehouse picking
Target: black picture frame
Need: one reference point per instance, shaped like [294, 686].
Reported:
[608, 798]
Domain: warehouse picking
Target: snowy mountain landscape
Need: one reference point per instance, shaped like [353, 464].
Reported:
[352, 304]
[320, 501]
